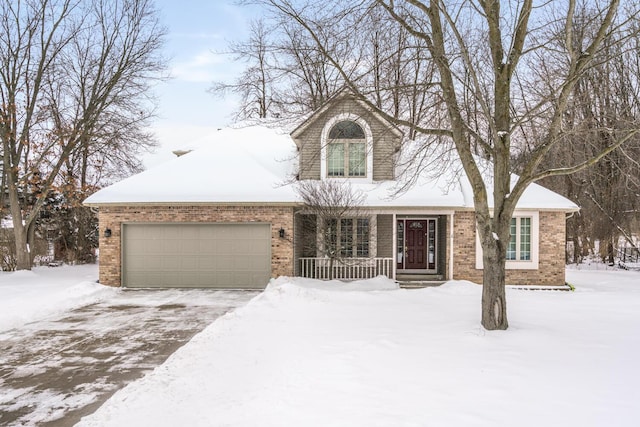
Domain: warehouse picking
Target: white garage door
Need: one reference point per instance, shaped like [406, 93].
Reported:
[196, 255]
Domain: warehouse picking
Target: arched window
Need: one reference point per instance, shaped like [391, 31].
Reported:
[346, 129]
[346, 150]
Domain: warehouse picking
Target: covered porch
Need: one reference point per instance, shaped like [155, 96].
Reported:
[411, 247]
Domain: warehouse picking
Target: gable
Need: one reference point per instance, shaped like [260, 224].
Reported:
[309, 136]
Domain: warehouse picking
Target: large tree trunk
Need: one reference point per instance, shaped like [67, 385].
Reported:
[494, 302]
[23, 258]
[31, 242]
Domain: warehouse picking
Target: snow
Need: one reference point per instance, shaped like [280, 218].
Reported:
[32, 295]
[240, 165]
[369, 354]
[258, 164]
[58, 361]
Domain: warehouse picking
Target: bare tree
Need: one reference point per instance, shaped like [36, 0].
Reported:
[506, 75]
[606, 96]
[75, 77]
[306, 79]
[254, 85]
[285, 72]
[331, 207]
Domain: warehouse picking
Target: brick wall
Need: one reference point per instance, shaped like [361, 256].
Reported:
[551, 267]
[113, 217]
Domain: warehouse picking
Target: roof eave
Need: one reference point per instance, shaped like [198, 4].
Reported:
[183, 203]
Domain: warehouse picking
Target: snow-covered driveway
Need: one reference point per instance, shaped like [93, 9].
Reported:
[56, 370]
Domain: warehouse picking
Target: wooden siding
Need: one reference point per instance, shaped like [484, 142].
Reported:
[385, 236]
[297, 241]
[384, 141]
[443, 243]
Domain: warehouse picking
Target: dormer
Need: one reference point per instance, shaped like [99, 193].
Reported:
[347, 139]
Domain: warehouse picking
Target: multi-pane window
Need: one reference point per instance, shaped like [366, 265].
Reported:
[519, 248]
[525, 239]
[357, 159]
[346, 237]
[346, 151]
[349, 237]
[362, 237]
[335, 160]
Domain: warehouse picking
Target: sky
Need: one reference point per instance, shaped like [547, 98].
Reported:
[198, 34]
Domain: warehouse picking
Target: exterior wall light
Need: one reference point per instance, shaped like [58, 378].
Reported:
[107, 232]
[281, 233]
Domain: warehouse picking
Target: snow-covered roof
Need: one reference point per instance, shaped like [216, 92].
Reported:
[232, 165]
[256, 165]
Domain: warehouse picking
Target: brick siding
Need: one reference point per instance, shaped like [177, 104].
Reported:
[113, 217]
[551, 267]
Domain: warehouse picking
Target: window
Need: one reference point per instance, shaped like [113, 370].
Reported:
[346, 129]
[362, 237]
[346, 151]
[352, 235]
[519, 248]
[524, 242]
[335, 160]
[346, 237]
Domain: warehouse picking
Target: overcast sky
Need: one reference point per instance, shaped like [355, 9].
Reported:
[197, 31]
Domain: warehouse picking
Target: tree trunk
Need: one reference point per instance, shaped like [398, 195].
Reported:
[494, 302]
[31, 242]
[23, 258]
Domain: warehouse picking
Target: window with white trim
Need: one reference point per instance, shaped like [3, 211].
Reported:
[346, 150]
[524, 243]
[348, 236]
[519, 248]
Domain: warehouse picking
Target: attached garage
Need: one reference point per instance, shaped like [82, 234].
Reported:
[215, 255]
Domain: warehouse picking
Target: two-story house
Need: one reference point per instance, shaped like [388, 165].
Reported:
[229, 215]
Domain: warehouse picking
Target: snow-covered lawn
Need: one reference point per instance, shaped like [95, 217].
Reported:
[309, 354]
[317, 354]
[26, 296]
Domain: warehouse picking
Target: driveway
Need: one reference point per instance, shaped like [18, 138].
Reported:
[55, 371]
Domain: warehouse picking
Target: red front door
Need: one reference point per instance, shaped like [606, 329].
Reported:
[417, 241]
[416, 245]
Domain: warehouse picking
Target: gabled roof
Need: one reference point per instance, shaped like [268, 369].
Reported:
[256, 165]
[344, 94]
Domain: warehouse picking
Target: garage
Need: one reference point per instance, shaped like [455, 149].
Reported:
[197, 255]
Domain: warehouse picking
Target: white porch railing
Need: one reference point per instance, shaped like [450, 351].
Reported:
[346, 268]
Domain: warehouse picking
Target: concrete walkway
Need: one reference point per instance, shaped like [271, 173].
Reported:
[54, 372]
